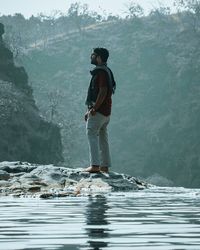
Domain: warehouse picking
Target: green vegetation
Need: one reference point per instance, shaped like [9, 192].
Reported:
[25, 136]
[156, 61]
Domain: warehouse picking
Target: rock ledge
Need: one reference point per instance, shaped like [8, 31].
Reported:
[22, 179]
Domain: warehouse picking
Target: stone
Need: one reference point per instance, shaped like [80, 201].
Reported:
[34, 188]
[4, 175]
[4, 183]
[49, 181]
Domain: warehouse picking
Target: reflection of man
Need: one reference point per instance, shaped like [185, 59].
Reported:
[97, 224]
[97, 118]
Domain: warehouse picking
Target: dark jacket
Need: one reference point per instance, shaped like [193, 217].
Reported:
[92, 90]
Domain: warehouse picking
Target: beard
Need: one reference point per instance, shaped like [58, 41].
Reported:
[94, 61]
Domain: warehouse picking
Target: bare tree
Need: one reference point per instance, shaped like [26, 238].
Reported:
[78, 13]
[134, 10]
[54, 98]
[193, 9]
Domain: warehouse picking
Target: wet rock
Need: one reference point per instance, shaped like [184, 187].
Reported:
[4, 175]
[4, 183]
[34, 188]
[48, 181]
[46, 196]
[16, 167]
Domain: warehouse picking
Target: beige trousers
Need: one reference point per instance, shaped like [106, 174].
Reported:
[96, 129]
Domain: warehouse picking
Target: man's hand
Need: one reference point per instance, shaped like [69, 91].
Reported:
[92, 111]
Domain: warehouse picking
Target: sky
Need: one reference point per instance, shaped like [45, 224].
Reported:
[34, 7]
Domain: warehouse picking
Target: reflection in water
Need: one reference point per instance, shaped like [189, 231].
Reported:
[96, 222]
[154, 219]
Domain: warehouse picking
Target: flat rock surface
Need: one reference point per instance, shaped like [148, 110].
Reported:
[47, 181]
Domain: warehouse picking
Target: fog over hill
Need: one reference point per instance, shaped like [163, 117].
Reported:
[155, 59]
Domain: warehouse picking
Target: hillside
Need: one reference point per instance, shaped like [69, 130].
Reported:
[25, 136]
[155, 123]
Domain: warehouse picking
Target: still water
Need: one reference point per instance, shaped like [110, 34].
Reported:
[158, 218]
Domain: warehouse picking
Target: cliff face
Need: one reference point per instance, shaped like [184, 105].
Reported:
[25, 136]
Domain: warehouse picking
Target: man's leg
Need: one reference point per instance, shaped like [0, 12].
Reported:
[104, 147]
[92, 129]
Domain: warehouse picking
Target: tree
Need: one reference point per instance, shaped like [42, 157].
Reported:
[134, 11]
[192, 7]
[54, 100]
[13, 36]
[78, 13]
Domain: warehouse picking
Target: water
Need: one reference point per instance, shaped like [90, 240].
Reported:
[159, 218]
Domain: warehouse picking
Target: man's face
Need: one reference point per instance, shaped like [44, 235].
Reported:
[94, 58]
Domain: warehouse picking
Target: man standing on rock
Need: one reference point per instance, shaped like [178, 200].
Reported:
[99, 102]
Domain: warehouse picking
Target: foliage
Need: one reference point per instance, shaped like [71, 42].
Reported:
[155, 122]
[135, 10]
[25, 136]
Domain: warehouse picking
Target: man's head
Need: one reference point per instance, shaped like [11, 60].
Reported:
[99, 56]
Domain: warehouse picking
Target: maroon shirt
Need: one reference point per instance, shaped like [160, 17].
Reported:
[100, 82]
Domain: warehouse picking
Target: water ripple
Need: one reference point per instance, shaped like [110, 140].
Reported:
[159, 218]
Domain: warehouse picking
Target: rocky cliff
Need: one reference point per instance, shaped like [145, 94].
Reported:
[24, 135]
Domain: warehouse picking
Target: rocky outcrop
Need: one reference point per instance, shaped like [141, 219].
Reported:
[48, 181]
[24, 134]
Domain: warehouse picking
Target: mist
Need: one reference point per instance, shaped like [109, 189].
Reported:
[154, 129]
